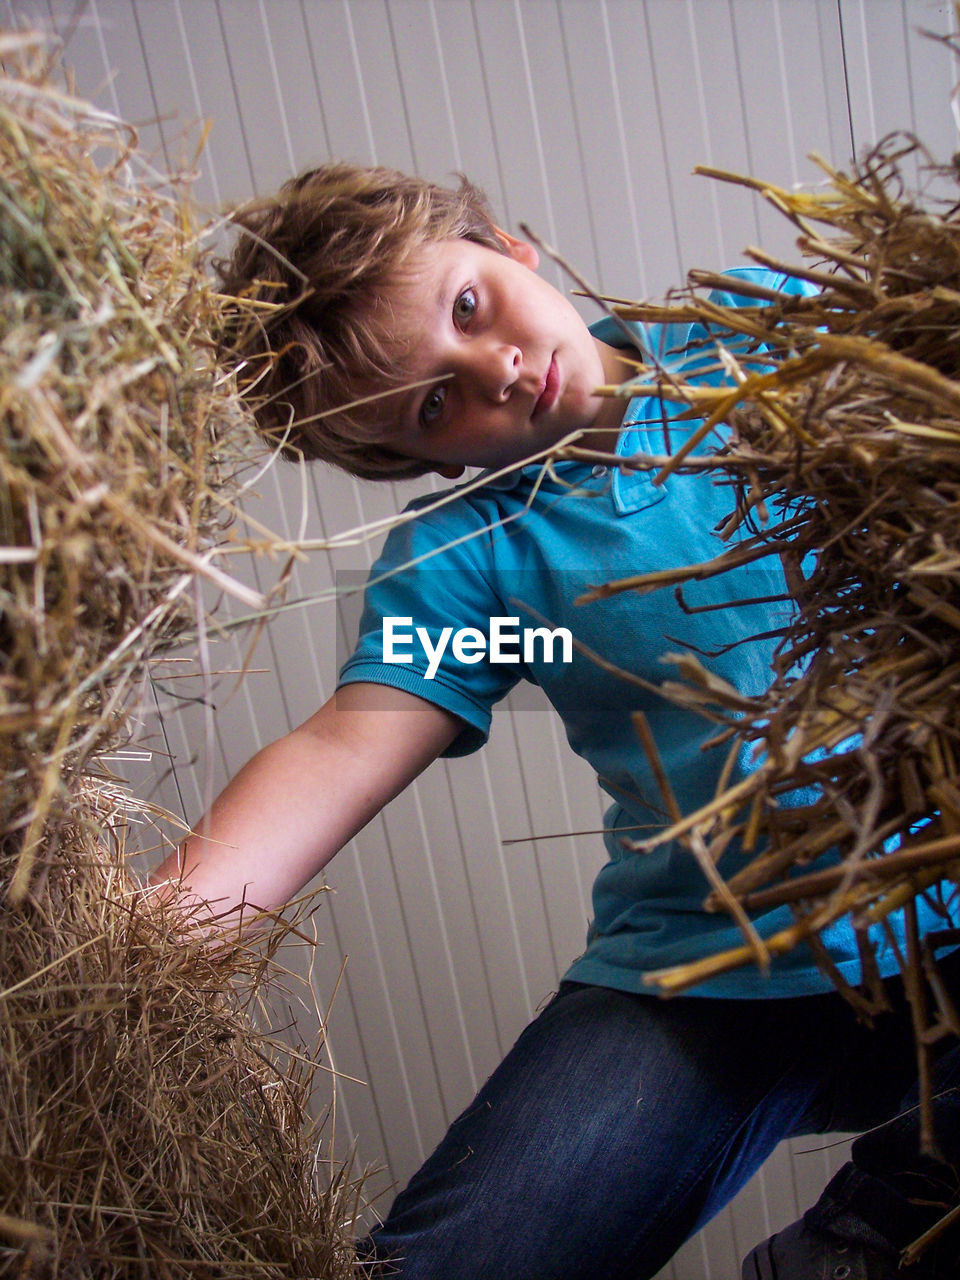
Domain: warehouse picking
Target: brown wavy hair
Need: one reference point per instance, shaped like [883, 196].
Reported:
[313, 259]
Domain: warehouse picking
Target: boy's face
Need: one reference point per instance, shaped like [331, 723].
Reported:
[510, 366]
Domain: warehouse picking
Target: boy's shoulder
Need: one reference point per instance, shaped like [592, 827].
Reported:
[682, 346]
[763, 278]
[457, 517]
[474, 495]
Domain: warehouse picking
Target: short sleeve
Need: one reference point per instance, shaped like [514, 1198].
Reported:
[427, 601]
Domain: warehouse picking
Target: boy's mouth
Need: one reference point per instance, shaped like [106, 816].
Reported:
[548, 393]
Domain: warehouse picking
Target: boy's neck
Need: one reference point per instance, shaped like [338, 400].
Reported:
[605, 431]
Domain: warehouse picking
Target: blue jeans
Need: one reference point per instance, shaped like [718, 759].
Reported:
[619, 1124]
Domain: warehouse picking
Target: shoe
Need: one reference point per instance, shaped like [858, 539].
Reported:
[802, 1253]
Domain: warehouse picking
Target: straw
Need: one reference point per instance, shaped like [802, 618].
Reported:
[149, 1127]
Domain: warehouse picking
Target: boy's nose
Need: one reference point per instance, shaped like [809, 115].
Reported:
[496, 369]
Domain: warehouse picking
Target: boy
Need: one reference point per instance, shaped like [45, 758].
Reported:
[619, 1123]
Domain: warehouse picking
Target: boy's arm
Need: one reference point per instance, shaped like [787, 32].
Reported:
[299, 800]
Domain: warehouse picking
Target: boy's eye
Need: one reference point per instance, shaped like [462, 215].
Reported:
[465, 306]
[432, 406]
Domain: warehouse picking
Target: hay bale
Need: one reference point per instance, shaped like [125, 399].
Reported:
[844, 461]
[120, 438]
[146, 1127]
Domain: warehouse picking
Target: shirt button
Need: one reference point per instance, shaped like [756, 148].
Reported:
[599, 470]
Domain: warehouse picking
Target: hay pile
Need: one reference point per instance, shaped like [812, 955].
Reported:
[844, 460]
[146, 1128]
[119, 441]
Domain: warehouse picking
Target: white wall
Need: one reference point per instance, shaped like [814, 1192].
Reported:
[583, 118]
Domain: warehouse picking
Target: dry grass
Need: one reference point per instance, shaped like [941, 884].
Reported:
[120, 438]
[843, 460]
[148, 1129]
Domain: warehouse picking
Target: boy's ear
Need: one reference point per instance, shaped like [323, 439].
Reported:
[519, 250]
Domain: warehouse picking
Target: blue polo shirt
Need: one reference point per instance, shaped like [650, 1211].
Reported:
[527, 547]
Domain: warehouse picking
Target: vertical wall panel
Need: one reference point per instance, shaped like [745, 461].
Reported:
[425, 88]
[779, 61]
[693, 202]
[618, 167]
[877, 37]
[380, 78]
[456, 24]
[254, 94]
[347, 132]
[933, 75]
[459, 907]
[195, 81]
[660, 124]
[513, 115]
[168, 58]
